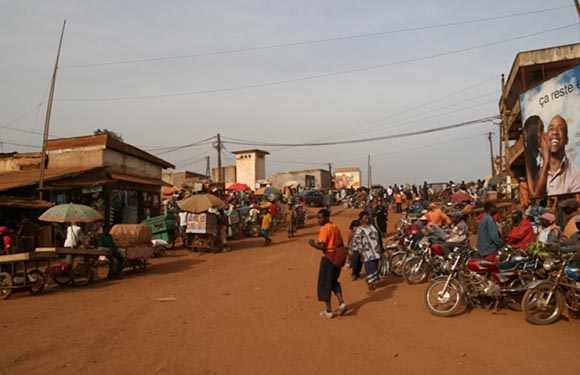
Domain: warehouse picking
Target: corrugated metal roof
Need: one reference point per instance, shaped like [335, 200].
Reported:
[21, 202]
[15, 179]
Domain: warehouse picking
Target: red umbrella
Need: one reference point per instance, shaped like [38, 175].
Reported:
[460, 197]
[239, 187]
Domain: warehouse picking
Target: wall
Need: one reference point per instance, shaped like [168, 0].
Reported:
[20, 161]
[322, 178]
[88, 157]
[228, 174]
[246, 169]
[126, 164]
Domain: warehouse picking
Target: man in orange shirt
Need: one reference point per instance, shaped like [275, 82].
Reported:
[438, 217]
[329, 239]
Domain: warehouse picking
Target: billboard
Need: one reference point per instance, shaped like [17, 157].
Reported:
[550, 117]
[347, 179]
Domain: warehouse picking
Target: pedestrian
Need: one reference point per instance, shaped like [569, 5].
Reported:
[266, 224]
[183, 227]
[25, 236]
[116, 259]
[355, 259]
[73, 238]
[290, 220]
[367, 242]
[327, 200]
[329, 239]
[381, 216]
[6, 241]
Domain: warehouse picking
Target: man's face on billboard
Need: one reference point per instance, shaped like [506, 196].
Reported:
[557, 134]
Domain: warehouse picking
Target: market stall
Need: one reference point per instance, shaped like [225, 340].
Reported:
[23, 272]
[134, 243]
[203, 226]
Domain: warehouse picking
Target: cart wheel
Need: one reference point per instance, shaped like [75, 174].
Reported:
[170, 245]
[142, 264]
[37, 281]
[6, 284]
[81, 275]
[61, 280]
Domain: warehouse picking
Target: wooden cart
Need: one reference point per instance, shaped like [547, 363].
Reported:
[24, 272]
[84, 270]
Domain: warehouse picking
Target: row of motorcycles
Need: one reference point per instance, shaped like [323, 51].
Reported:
[540, 286]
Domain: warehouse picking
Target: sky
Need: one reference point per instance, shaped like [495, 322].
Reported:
[166, 74]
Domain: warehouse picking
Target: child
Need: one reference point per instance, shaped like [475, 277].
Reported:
[291, 220]
[266, 223]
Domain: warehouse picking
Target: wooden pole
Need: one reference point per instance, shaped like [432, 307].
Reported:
[491, 154]
[47, 119]
[369, 173]
[577, 7]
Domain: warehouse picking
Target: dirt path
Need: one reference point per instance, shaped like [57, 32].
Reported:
[254, 311]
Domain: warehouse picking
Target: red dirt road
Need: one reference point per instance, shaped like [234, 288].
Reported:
[254, 311]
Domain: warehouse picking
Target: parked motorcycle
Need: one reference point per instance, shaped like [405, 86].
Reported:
[544, 300]
[472, 279]
[251, 229]
[398, 248]
[429, 259]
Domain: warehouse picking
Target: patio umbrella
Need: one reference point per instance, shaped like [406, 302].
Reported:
[200, 203]
[267, 191]
[239, 187]
[67, 213]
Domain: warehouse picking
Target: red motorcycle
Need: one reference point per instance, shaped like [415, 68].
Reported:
[473, 280]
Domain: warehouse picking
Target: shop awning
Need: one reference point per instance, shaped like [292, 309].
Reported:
[138, 179]
[16, 179]
[21, 202]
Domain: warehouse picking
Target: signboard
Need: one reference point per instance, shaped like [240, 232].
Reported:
[347, 180]
[201, 223]
[95, 189]
[551, 127]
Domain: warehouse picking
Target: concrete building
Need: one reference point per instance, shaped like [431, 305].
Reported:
[228, 174]
[179, 177]
[250, 166]
[309, 179]
[119, 180]
[529, 69]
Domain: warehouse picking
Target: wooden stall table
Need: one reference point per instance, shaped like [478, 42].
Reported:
[82, 273]
[23, 271]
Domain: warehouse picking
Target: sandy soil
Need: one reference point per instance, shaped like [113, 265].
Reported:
[254, 311]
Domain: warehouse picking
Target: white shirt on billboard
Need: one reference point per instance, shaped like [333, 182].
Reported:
[566, 180]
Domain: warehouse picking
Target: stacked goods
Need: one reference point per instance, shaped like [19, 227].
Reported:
[127, 235]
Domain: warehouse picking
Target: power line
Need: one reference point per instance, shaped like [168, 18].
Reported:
[18, 144]
[365, 140]
[315, 41]
[317, 76]
[5, 126]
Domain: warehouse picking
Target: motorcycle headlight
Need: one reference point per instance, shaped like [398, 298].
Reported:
[549, 264]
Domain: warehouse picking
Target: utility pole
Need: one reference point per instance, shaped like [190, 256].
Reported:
[491, 153]
[207, 168]
[577, 7]
[369, 173]
[47, 119]
[219, 158]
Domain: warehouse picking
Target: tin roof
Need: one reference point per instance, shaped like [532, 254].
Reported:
[15, 179]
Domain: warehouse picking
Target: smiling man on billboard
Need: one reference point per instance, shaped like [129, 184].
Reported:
[563, 177]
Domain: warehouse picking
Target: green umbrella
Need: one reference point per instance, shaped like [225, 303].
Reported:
[67, 213]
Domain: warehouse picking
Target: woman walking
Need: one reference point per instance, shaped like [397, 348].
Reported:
[367, 242]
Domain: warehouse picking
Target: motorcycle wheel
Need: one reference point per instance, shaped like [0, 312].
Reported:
[534, 301]
[443, 301]
[6, 284]
[81, 275]
[61, 280]
[396, 261]
[572, 304]
[415, 270]
[36, 279]
[254, 231]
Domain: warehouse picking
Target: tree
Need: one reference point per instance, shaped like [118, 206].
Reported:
[110, 133]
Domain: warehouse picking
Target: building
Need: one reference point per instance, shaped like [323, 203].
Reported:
[529, 69]
[250, 166]
[119, 180]
[309, 179]
[179, 177]
[228, 174]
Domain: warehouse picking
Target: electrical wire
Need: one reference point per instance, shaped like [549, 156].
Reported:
[364, 140]
[317, 76]
[315, 41]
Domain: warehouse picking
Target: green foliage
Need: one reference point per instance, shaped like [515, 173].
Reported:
[110, 133]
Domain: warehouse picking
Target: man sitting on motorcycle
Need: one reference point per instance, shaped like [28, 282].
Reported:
[459, 233]
[522, 232]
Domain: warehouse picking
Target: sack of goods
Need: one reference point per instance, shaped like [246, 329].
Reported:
[127, 235]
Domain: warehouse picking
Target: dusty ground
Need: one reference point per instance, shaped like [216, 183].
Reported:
[254, 311]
